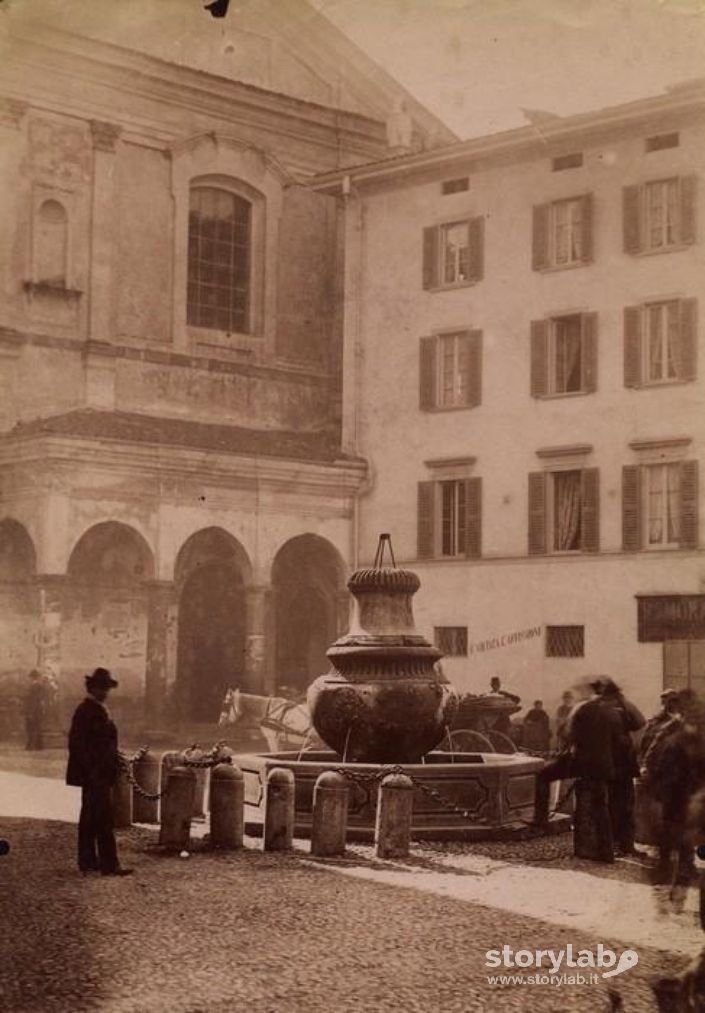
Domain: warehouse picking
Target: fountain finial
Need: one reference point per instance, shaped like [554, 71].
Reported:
[385, 541]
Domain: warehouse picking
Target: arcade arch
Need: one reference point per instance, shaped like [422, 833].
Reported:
[211, 574]
[310, 607]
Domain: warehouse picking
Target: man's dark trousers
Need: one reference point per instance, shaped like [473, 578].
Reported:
[96, 841]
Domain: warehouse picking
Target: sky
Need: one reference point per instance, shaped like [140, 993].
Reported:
[478, 63]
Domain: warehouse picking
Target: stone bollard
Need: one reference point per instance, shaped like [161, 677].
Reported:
[279, 810]
[330, 814]
[146, 771]
[122, 802]
[395, 803]
[227, 805]
[177, 807]
[223, 753]
[199, 798]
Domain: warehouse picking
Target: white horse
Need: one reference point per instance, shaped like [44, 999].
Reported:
[280, 720]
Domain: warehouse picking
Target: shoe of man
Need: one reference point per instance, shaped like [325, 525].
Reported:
[117, 872]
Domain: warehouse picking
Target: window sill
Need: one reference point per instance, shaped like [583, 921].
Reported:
[562, 396]
[455, 285]
[557, 268]
[51, 288]
[660, 384]
[675, 248]
[438, 410]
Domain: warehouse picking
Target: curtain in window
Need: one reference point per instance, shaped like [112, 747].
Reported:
[566, 510]
[568, 358]
[673, 503]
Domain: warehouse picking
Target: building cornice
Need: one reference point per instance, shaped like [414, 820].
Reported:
[554, 134]
[66, 455]
[91, 62]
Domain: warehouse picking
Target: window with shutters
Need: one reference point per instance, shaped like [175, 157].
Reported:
[451, 371]
[452, 640]
[219, 260]
[453, 254]
[660, 342]
[660, 505]
[564, 355]
[450, 518]
[562, 233]
[565, 641]
[564, 511]
[659, 215]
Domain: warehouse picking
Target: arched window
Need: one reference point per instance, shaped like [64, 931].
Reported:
[219, 260]
[51, 246]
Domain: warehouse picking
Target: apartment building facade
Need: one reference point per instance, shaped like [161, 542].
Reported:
[524, 372]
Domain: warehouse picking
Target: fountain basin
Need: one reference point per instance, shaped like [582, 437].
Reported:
[496, 789]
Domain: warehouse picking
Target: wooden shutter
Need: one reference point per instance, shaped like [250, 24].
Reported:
[426, 520]
[476, 240]
[688, 214]
[537, 513]
[430, 257]
[474, 361]
[590, 504]
[631, 507]
[427, 373]
[540, 236]
[587, 229]
[689, 504]
[631, 218]
[632, 346]
[473, 517]
[688, 339]
[589, 351]
[539, 358]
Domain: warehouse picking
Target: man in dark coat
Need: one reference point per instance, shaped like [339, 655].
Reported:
[536, 733]
[33, 710]
[93, 766]
[626, 767]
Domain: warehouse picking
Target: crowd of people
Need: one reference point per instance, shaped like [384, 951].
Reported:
[598, 751]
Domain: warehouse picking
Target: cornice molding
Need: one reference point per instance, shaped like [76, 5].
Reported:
[63, 454]
[569, 450]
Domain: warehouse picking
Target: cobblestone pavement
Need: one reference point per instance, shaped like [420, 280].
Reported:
[262, 933]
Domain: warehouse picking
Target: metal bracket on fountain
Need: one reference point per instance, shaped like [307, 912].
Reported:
[386, 699]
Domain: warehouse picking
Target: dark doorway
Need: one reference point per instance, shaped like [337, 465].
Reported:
[211, 634]
[307, 576]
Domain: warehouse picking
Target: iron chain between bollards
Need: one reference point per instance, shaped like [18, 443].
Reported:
[127, 763]
[358, 777]
[212, 758]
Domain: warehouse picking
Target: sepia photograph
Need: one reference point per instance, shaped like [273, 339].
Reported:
[352, 509]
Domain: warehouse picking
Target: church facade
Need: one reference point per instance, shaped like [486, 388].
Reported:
[175, 501]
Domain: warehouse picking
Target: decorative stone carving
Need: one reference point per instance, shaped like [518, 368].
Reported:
[59, 153]
[386, 700]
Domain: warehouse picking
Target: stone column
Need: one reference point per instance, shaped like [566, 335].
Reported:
[103, 221]
[257, 652]
[160, 666]
[48, 638]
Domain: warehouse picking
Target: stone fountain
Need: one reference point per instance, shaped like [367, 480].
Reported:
[386, 701]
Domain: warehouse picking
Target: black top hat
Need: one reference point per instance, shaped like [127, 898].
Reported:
[101, 679]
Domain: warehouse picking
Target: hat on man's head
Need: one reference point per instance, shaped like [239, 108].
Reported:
[670, 694]
[34, 674]
[101, 679]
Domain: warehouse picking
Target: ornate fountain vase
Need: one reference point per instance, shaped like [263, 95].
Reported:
[386, 699]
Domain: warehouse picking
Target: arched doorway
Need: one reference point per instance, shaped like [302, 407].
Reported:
[105, 610]
[212, 570]
[307, 579]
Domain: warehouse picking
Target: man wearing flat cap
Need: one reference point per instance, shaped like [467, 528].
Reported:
[93, 766]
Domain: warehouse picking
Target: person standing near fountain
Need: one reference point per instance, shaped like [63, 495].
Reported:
[93, 767]
[590, 757]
